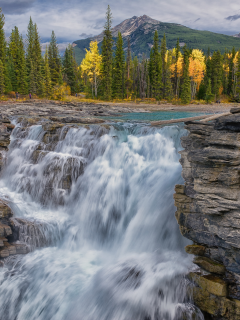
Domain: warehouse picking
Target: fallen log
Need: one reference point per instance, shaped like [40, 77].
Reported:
[215, 116]
[161, 122]
[203, 118]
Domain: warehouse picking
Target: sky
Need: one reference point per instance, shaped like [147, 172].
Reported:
[78, 19]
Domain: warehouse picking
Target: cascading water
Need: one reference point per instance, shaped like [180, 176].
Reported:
[111, 248]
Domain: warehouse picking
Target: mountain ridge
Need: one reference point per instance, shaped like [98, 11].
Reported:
[140, 31]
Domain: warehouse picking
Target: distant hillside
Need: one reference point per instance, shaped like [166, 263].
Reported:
[140, 30]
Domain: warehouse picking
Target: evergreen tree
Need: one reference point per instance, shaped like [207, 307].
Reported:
[2, 82]
[3, 52]
[164, 65]
[107, 57]
[209, 94]
[47, 76]
[118, 70]
[17, 63]
[217, 71]
[202, 91]
[238, 78]
[38, 62]
[8, 74]
[35, 62]
[54, 59]
[30, 45]
[13, 60]
[22, 80]
[2, 38]
[176, 77]
[70, 69]
[168, 82]
[155, 69]
[186, 82]
[231, 73]
[32, 80]
[128, 66]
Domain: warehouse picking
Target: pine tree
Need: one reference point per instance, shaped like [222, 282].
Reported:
[164, 65]
[209, 94]
[186, 82]
[238, 78]
[13, 58]
[128, 82]
[22, 80]
[32, 79]
[70, 69]
[230, 74]
[155, 69]
[30, 44]
[2, 82]
[34, 61]
[47, 76]
[2, 39]
[54, 59]
[202, 91]
[118, 70]
[176, 77]
[3, 52]
[11, 72]
[17, 63]
[9, 75]
[168, 82]
[107, 57]
[38, 62]
[217, 71]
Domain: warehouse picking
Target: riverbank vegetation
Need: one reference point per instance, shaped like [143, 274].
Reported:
[180, 75]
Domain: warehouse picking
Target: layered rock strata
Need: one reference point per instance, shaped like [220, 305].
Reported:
[208, 213]
[9, 240]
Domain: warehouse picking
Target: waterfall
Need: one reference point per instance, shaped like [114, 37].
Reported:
[97, 209]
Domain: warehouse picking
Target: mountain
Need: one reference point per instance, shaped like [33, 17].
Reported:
[141, 30]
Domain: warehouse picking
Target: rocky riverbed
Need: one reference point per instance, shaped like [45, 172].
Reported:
[67, 112]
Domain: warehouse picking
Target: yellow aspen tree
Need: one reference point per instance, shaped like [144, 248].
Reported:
[235, 73]
[197, 68]
[91, 66]
[176, 69]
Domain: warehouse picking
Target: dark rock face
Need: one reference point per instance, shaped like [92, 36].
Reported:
[208, 212]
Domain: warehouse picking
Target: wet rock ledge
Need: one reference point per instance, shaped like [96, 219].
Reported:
[208, 213]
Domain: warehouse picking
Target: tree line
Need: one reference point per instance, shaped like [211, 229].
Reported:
[180, 74]
[24, 69]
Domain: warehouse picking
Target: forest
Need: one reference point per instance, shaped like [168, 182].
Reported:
[179, 75]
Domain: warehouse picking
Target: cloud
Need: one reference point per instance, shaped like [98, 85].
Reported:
[75, 19]
[85, 36]
[233, 18]
[61, 46]
[16, 6]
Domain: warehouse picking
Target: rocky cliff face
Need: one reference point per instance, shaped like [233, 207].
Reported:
[208, 212]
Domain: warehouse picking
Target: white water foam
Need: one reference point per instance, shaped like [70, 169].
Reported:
[115, 252]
